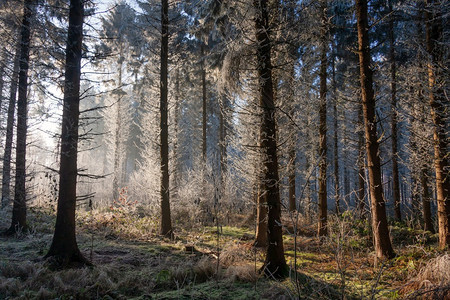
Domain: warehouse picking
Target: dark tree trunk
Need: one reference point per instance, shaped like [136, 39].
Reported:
[323, 208]
[6, 179]
[426, 201]
[166, 220]
[395, 173]
[275, 263]
[2, 81]
[261, 215]
[19, 214]
[383, 247]
[439, 113]
[64, 249]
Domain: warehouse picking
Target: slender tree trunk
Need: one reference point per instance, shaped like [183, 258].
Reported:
[426, 200]
[383, 247]
[439, 113]
[203, 72]
[275, 263]
[166, 221]
[291, 178]
[395, 173]
[64, 249]
[261, 216]
[19, 214]
[335, 138]
[117, 173]
[2, 82]
[176, 171]
[6, 178]
[323, 207]
[223, 140]
[361, 168]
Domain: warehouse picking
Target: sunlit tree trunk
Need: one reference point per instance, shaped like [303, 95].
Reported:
[64, 249]
[166, 221]
[19, 215]
[275, 263]
[439, 113]
[383, 247]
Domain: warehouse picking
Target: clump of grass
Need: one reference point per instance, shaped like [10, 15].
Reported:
[244, 273]
[432, 281]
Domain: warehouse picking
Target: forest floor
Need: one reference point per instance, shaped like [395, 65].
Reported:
[132, 262]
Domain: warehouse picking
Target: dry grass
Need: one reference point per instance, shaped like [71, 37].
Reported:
[432, 281]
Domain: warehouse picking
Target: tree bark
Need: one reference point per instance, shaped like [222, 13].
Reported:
[383, 247]
[439, 113]
[19, 214]
[117, 173]
[394, 141]
[6, 178]
[166, 220]
[64, 249]
[275, 263]
[323, 207]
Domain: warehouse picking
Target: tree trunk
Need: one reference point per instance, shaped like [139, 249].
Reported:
[117, 173]
[291, 178]
[323, 208]
[335, 138]
[275, 263]
[361, 168]
[166, 221]
[439, 113]
[64, 249]
[19, 214]
[6, 178]
[394, 141]
[383, 247]
[426, 201]
[203, 73]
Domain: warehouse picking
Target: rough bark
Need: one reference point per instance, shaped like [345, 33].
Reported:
[64, 250]
[19, 214]
[439, 113]
[383, 247]
[275, 263]
[394, 123]
[6, 178]
[323, 208]
[166, 220]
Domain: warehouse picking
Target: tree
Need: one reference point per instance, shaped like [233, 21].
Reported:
[383, 247]
[6, 178]
[64, 249]
[166, 222]
[439, 104]
[323, 208]
[394, 117]
[275, 263]
[19, 215]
